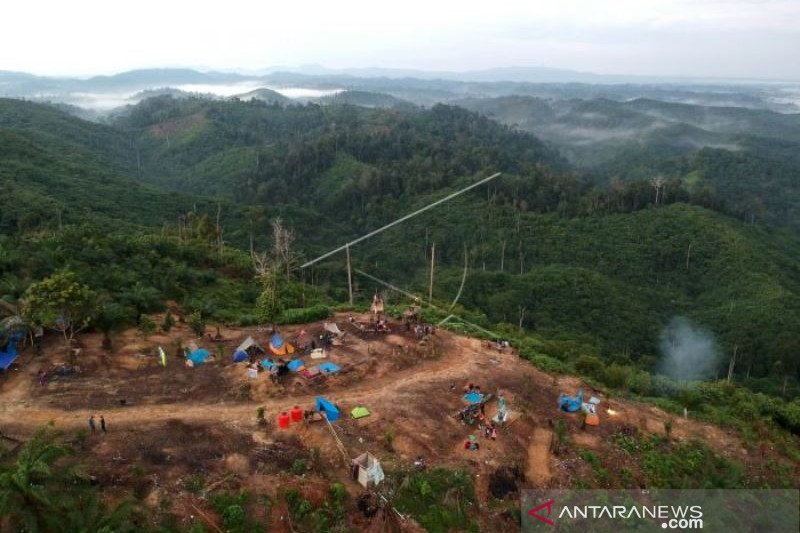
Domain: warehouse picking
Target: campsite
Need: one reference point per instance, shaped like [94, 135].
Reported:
[394, 409]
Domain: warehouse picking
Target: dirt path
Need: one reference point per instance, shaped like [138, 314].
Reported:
[415, 393]
[456, 365]
[537, 471]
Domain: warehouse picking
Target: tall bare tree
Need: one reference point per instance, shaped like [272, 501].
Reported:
[282, 240]
[658, 184]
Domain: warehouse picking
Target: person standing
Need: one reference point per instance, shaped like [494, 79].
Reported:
[92, 425]
[102, 423]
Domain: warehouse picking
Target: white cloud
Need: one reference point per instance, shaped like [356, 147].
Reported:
[90, 36]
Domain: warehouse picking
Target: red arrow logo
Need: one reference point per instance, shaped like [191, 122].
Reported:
[537, 516]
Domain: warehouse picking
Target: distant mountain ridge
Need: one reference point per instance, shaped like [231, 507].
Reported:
[416, 86]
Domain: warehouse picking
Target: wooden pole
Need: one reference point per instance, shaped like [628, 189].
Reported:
[433, 260]
[349, 276]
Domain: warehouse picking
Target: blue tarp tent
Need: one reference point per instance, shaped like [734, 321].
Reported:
[571, 404]
[328, 367]
[199, 356]
[280, 347]
[9, 353]
[240, 356]
[267, 364]
[295, 365]
[330, 410]
[473, 397]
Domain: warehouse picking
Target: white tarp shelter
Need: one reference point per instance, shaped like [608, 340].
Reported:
[331, 327]
[367, 470]
[248, 343]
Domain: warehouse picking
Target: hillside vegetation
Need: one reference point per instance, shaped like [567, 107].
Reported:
[547, 251]
[746, 159]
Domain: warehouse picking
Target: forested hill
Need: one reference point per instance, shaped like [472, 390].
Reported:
[58, 170]
[747, 159]
[603, 268]
[267, 153]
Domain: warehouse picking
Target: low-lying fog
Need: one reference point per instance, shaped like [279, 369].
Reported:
[247, 86]
[106, 101]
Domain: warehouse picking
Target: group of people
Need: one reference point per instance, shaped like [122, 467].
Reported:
[472, 388]
[423, 330]
[93, 424]
[500, 345]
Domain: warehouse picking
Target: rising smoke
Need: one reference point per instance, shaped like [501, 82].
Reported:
[689, 352]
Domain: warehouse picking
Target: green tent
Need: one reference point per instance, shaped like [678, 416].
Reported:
[359, 412]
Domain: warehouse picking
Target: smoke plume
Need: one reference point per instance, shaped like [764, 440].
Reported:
[689, 352]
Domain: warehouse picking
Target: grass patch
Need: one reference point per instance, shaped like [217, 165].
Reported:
[439, 499]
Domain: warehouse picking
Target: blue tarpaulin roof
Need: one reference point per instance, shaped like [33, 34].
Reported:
[267, 363]
[330, 410]
[6, 359]
[276, 340]
[295, 364]
[473, 397]
[330, 368]
[198, 356]
[240, 356]
[9, 355]
[571, 404]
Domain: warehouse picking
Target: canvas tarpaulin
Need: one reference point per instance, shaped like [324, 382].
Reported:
[199, 356]
[359, 412]
[325, 406]
[571, 404]
[329, 368]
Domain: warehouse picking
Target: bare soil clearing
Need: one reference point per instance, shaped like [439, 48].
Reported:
[178, 422]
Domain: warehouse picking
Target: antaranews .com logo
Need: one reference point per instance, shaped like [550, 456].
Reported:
[660, 510]
[679, 517]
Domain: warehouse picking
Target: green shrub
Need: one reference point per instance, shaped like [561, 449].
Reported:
[591, 458]
[689, 466]
[195, 483]
[299, 467]
[589, 365]
[304, 315]
[197, 323]
[617, 376]
[233, 517]
[222, 500]
[663, 386]
[640, 382]
[168, 322]
[549, 364]
[439, 499]
[691, 399]
[146, 325]
[788, 416]
[197, 527]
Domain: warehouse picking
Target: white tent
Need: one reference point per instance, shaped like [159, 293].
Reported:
[367, 470]
[248, 343]
[331, 327]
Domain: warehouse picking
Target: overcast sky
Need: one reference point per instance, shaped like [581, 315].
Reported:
[720, 38]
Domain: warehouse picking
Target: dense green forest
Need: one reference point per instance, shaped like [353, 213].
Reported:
[744, 161]
[551, 254]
